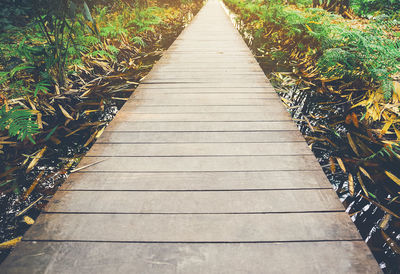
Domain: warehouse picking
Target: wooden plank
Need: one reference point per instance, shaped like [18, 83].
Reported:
[217, 181]
[205, 101]
[154, 258]
[210, 75]
[195, 202]
[279, 115]
[129, 137]
[267, 103]
[187, 59]
[208, 90]
[207, 126]
[203, 69]
[196, 109]
[202, 84]
[232, 77]
[215, 55]
[196, 164]
[199, 149]
[211, 78]
[194, 96]
[275, 227]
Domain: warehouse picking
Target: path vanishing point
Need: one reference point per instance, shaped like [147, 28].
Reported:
[204, 172]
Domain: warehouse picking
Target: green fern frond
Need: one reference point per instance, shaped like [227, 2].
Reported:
[19, 122]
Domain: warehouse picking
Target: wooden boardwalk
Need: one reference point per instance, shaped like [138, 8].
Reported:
[203, 172]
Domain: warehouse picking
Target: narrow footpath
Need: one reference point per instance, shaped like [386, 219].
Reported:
[202, 171]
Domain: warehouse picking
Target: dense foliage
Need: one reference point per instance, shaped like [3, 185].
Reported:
[46, 45]
[354, 59]
[387, 8]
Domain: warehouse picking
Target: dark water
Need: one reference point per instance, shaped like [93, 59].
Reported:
[366, 216]
[310, 110]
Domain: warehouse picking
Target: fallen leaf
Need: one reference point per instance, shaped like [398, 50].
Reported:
[100, 132]
[333, 166]
[352, 144]
[354, 119]
[39, 120]
[29, 220]
[384, 222]
[33, 185]
[392, 244]
[365, 173]
[66, 114]
[380, 206]
[393, 177]
[91, 138]
[10, 243]
[36, 159]
[351, 185]
[362, 184]
[348, 119]
[341, 164]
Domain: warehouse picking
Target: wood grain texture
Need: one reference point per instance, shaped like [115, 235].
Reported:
[203, 126]
[196, 202]
[199, 149]
[131, 137]
[199, 164]
[166, 258]
[275, 227]
[194, 181]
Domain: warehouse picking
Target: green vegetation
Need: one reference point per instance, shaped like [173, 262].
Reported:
[51, 48]
[359, 61]
[51, 52]
[387, 8]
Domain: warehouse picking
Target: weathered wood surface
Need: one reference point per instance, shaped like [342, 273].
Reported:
[202, 171]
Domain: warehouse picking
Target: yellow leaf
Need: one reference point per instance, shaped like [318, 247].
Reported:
[91, 138]
[393, 177]
[313, 22]
[66, 114]
[39, 120]
[351, 185]
[385, 128]
[33, 185]
[10, 243]
[362, 184]
[352, 144]
[397, 132]
[396, 88]
[365, 173]
[340, 162]
[29, 220]
[308, 27]
[384, 222]
[332, 163]
[35, 159]
[100, 132]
